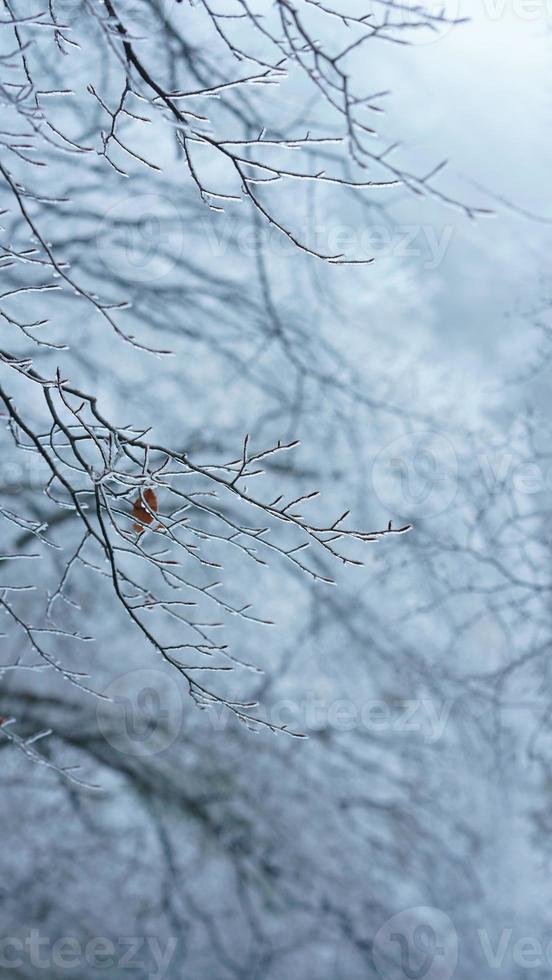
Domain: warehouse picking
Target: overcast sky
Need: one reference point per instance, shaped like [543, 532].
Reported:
[478, 95]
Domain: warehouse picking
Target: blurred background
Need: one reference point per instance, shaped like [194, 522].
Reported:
[408, 834]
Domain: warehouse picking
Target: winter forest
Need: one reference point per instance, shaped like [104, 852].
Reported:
[275, 482]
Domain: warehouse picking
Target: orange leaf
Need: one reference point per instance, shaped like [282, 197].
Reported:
[140, 513]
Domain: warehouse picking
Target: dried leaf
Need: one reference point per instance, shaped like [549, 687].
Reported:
[141, 513]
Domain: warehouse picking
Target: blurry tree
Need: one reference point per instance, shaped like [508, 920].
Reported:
[129, 127]
[145, 333]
